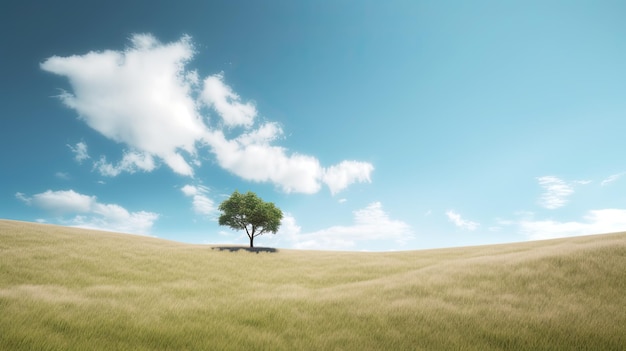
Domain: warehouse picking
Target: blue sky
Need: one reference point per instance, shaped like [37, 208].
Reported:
[373, 125]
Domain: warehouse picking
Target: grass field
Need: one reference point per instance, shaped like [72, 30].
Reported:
[73, 289]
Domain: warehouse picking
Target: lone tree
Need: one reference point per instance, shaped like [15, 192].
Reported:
[247, 211]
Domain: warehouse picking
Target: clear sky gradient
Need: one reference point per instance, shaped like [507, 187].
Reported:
[373, 125]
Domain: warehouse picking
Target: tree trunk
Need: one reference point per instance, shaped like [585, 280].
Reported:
[251, 240]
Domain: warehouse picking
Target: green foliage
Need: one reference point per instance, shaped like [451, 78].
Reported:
[250, 213]
[74, 289]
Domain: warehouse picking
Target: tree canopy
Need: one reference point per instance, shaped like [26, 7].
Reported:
[250, 213]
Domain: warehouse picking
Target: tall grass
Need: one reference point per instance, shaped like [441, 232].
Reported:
[64, 288]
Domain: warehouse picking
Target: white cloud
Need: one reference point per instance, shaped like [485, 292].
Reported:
[263, 135]
[145, 98]
[264, 162]
[116, 218]
[131, 162]
[189, 190]
[370, 223]
[460, 222]
[594, 222]
[89, 213]
[202, 204]
[80, 151]
[339, 177]
[139, 97]
[227, 103]
[611, 179]
[555, 193]
[289, 229]
[22, 197]
[252, 157]
[64, 201]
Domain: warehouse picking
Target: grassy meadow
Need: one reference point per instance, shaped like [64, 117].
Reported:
[73, 289]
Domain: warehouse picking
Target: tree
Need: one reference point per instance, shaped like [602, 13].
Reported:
[247, 211]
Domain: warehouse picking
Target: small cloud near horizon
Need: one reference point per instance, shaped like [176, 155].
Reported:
[88, 213]
[593, 222]
[370, 224]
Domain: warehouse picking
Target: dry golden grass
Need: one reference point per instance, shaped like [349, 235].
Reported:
[65, 288]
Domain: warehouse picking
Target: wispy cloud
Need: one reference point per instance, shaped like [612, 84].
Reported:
[594, 222]
[80, 151]
[612, 178]
[201, 202]
[227, 103]
[131, 162]
[556, 192]
[456, 218]
[145, 98]
[89, 213]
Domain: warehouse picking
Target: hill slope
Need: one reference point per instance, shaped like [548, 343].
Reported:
[66, 288]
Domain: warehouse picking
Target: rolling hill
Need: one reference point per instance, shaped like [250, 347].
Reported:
[74, 289]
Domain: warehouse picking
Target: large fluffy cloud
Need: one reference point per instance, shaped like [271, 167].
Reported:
[145, 98]
[253, 158]
[87, 212]
[140, 97]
